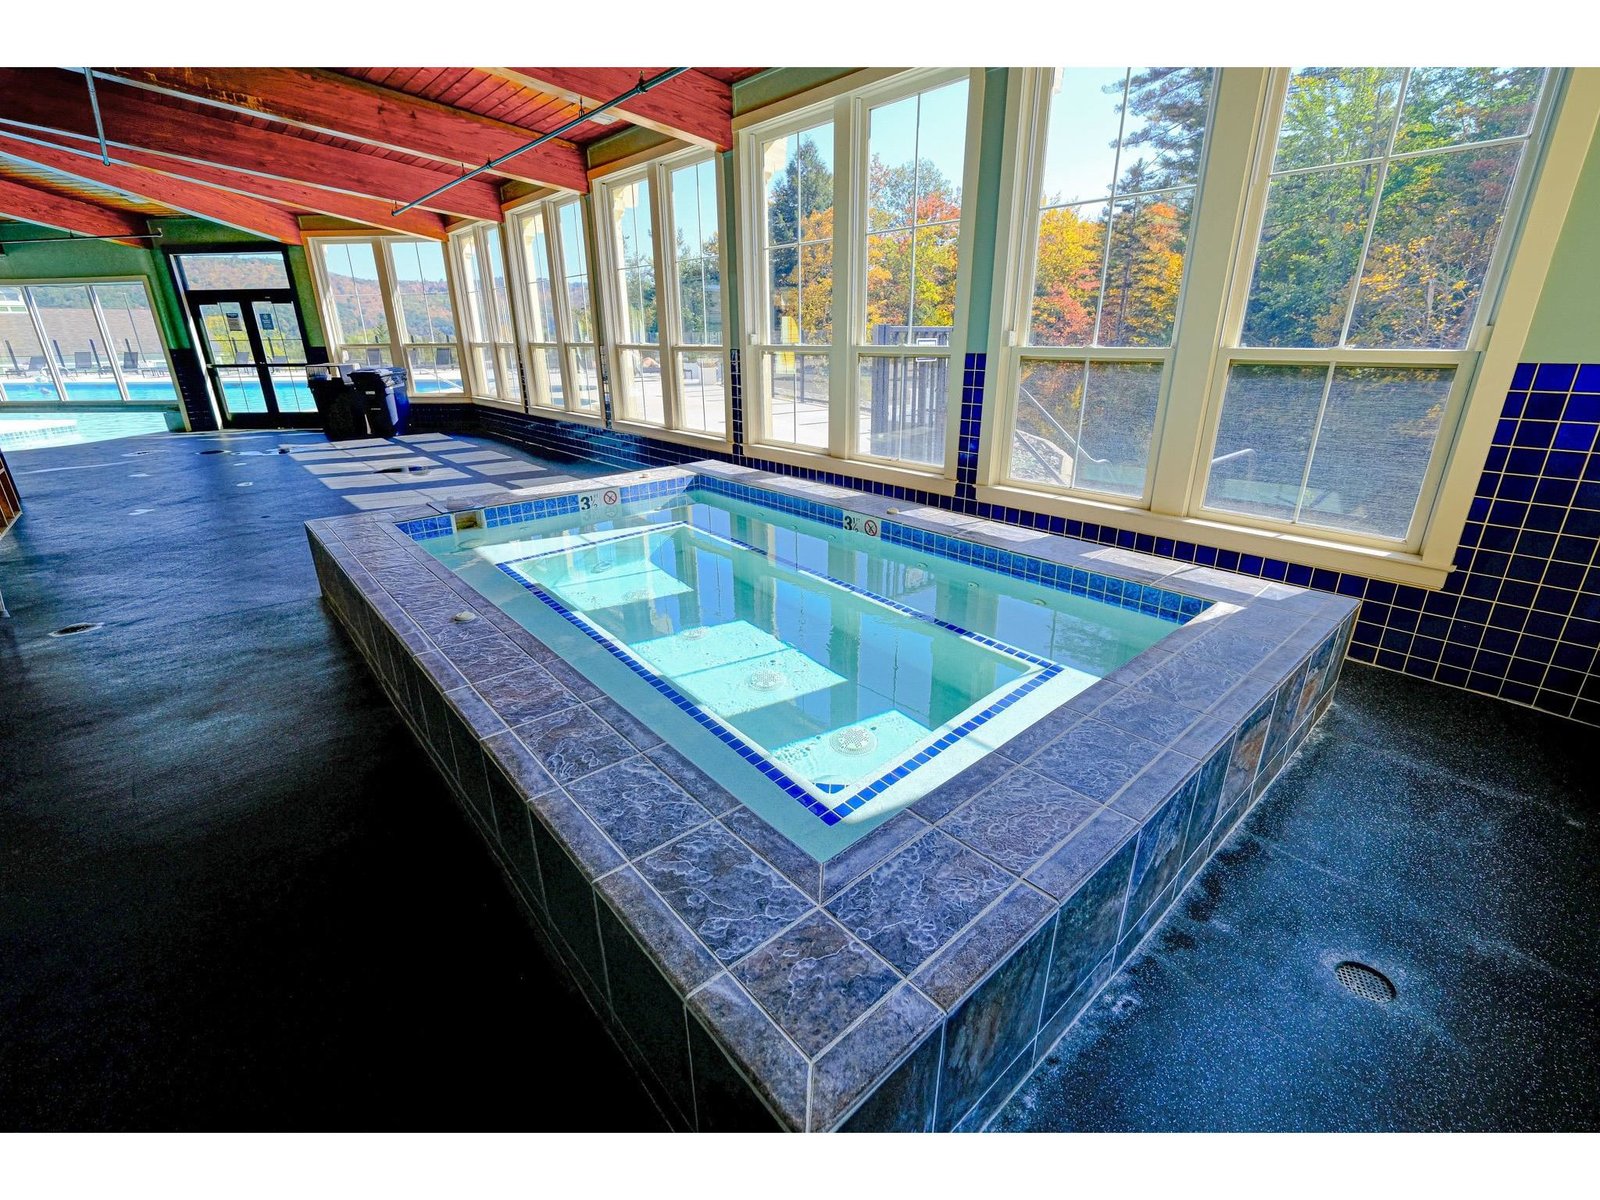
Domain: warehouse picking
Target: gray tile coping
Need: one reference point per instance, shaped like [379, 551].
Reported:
[911, 981]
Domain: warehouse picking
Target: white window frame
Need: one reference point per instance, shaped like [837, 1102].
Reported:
[398, 346]
[567, 345]
[670, 345]
[846, 107]
[508, 390]
[1225, 227]
[57, 378]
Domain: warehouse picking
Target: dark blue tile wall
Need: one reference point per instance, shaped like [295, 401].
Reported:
[1519, 618]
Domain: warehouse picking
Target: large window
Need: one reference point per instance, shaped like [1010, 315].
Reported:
[1384, 203]
[557, 308]
[386, 302]
[1254, 298]
[666, 294]
[82, 342]
[857, 230]
[1111, 196]
[490, 336]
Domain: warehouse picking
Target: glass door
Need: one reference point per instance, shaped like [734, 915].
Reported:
[255, 355]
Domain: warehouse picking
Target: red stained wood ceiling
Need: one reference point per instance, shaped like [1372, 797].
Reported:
[352, 142]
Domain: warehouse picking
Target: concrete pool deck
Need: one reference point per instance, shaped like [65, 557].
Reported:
[203, 931]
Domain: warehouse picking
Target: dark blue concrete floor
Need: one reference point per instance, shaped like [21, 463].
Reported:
[1450, 841]
[234, 896]
[233, 892]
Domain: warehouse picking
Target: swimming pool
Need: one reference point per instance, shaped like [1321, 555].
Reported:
[855, 672]
[765, 955]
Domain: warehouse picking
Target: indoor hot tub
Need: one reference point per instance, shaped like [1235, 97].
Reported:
[838, 810]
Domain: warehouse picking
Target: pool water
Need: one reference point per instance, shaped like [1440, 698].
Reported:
[853, 674]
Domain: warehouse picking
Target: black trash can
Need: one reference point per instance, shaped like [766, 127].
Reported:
[388, 407]
[341, 407]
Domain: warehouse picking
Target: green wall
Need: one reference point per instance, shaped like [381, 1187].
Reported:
[47, 254]
[1566, 324]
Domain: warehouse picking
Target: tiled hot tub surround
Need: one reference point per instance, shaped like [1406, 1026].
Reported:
[914, 979]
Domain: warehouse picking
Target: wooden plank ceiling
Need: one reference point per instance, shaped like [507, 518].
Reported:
[259, 148]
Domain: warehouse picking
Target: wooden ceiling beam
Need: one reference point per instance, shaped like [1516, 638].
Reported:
[141, 120]
[692, 107]
[299, 197]
[41, 206]
[326, 102]
[225, 208]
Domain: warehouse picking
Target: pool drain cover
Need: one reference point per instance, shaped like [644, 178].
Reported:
[695, 634]
[766, 681]
[1365, 982]
[858, 740]
[636, 595]
[77, 627]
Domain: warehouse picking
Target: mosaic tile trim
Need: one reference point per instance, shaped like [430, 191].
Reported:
[756, 756]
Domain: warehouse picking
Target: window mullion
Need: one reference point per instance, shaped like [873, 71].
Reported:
[668, 335]
[849, 189]
[392, 309]
[1221, 232]
[105, 340]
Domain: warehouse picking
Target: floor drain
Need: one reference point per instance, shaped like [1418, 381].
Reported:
[77, 627]
[854, 741]
[216, 452]
[766, 681]
[1365, 982]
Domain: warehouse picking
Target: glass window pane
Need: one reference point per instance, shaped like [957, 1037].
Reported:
[1269, 416]
[1133, 137]
[1310, 249]
[434, 369]
[798, 187]
[798, 409]
[1149, 238]
[75, 341]
[279, 330]
[355, 297]
[639, 387]
[536, 268]
[419, 278]
[917, 147]
[241, 390]
[900, 407]
[135, 340]
[888, 287]
[1337, 115]
[1084, 122]
[545, 364]
[1086, 426]
[1373, 448]
[585, 378]
[483, 360]
[1066, 277]
[499, 291]
[1438, 223]
[1451, 106]
[634, 239]
[695, 217]
[575, 262]
[24, 370]
[702, 402]
[246, 269]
